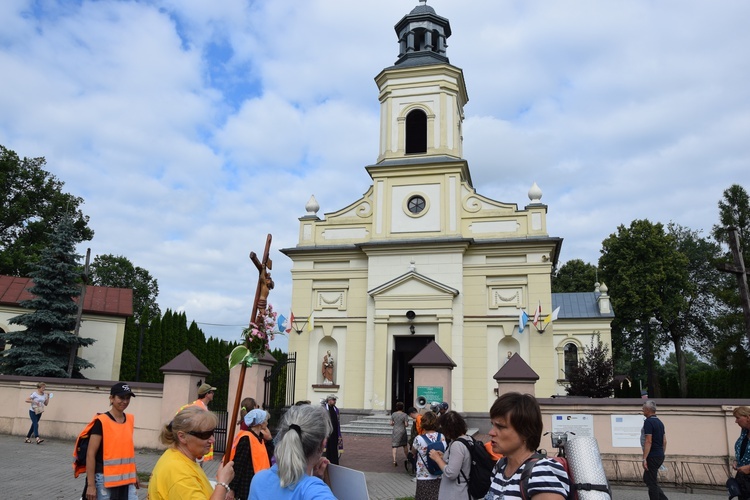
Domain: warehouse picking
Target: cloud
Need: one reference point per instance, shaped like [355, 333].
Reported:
[193, 130]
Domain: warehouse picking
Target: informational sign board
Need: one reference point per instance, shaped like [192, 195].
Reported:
[626, 431]
[430, 393]
[581, 425]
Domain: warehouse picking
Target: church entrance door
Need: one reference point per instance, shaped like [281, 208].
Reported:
[402, 375]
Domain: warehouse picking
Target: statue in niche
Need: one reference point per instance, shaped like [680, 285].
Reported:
[327, 369]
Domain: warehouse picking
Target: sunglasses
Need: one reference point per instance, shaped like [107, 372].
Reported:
[202, 434]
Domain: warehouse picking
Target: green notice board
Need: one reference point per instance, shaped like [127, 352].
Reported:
[431, 393]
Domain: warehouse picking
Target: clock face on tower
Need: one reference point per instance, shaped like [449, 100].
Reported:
[416, 204]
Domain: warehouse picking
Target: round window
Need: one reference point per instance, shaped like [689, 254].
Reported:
[416, 204]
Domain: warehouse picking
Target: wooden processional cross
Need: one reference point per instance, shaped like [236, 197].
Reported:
[738, 269]
[265, 285]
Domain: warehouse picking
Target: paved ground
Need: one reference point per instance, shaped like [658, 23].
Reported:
[45, 471]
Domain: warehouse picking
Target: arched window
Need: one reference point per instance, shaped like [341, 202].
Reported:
[416, 132]
[571, 359]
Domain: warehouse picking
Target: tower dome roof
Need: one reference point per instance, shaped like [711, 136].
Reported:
[422, 8]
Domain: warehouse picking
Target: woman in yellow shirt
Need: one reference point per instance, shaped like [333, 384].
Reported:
[177, 475]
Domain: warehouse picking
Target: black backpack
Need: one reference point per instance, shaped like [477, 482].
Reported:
[482, 464]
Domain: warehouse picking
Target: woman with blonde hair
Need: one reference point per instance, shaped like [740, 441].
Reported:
[177, 475]
[39, 401]
[300, 465]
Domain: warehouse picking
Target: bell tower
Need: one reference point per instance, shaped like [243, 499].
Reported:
[422, 96]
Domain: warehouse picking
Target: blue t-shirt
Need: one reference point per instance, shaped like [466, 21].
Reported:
[652, 425]
[742, 459]
[265, 485]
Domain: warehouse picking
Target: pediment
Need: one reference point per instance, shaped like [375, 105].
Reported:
[413, 284]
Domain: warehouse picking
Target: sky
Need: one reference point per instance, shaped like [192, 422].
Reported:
[192, 129]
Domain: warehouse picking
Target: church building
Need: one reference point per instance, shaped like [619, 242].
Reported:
[423, 266]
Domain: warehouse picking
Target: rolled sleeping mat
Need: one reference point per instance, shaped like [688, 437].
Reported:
[585, 464]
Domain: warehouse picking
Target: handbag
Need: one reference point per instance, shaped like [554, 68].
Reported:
[38, 409]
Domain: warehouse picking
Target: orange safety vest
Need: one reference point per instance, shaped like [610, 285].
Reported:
[493, 455]
[419, 424]
[118, 452]
[258, 451]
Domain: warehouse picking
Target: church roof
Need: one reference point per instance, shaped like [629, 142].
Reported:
[422, 9]
[101, 300]
[416, 52]
[578, 305]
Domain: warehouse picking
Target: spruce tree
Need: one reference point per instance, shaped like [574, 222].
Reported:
[43, 348]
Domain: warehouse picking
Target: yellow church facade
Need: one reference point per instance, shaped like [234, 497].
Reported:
[422, 256]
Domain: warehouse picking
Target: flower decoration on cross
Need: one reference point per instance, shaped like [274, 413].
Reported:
[257, 338]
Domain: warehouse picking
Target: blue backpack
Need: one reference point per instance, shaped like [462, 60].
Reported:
[432, 466]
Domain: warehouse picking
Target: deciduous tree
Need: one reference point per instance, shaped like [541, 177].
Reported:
[593, 377]
[647, 277]
[574, 276]
[119, 272]
[31, 202]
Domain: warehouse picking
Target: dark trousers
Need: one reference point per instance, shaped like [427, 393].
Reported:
[34, 429]
[332, 449]
[744, 482]
[651, 478]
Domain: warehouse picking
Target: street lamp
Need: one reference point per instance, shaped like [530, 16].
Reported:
[652, 322]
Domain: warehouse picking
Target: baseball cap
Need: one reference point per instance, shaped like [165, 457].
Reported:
[121, 389]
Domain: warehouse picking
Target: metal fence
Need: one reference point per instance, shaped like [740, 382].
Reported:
[683, 474]
[220, 433]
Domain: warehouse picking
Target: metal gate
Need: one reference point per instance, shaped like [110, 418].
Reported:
[278, 393]
[220, 433]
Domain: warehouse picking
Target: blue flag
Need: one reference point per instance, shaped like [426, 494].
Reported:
[523, 318]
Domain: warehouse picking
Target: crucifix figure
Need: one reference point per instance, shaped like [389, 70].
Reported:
[265, 285]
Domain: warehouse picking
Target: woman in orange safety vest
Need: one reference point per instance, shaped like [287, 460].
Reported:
[110, 458]
[250, 452]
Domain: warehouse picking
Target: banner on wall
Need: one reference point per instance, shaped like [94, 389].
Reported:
[626, 430]
[578, 423]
